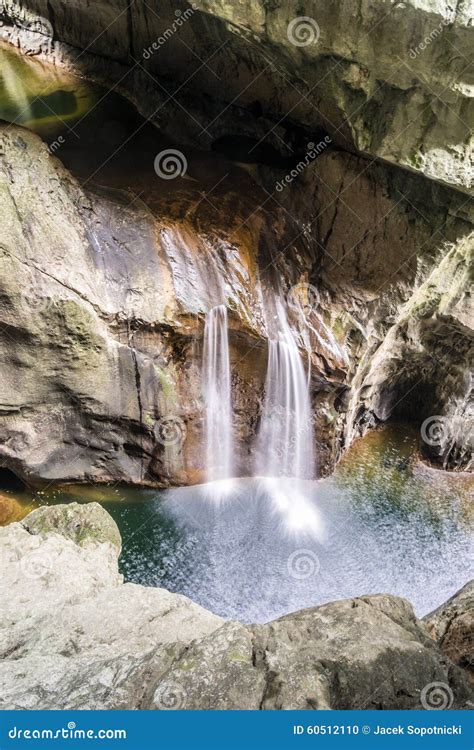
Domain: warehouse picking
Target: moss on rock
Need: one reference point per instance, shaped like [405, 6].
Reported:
[82, 524]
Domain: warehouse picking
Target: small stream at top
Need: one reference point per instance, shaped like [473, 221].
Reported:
[97, 133]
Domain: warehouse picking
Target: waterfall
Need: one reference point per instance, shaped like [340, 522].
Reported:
[285, 437]
[217, 396]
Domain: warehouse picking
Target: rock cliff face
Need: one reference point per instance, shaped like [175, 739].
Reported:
[103, 302]
[106, 280]
[452, 626]
[389, 79]
[111, 645]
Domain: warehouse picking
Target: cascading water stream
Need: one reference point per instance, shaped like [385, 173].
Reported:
[217, 396]
[285, 438]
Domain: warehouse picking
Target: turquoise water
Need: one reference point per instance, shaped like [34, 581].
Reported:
[260, 549]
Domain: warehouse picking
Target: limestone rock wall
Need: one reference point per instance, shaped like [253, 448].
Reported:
[102, 308]
[103, 302]
[103, 293]
[391, 80]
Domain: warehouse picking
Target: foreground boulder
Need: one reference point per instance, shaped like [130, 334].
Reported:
[74, 636]
[71, 633]
[364, 653]
[452, 626]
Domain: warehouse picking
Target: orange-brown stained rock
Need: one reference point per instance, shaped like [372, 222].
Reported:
[10, 510]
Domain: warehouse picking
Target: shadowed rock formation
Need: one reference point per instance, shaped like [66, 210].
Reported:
[452, 626]
[391, 81]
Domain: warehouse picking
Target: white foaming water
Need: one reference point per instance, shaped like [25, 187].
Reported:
[285, 437]
[217, 395]
[255, 556]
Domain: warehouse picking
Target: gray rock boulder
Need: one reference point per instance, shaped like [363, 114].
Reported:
[83, 524]
[365, 653]
[73, 635]
[452, 626]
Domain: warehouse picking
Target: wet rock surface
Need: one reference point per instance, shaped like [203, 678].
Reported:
[73, 635]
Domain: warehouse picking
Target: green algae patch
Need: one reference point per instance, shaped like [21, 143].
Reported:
[82, 524]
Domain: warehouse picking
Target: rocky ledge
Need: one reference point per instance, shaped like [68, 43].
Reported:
[74, 635]
[391, 80]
